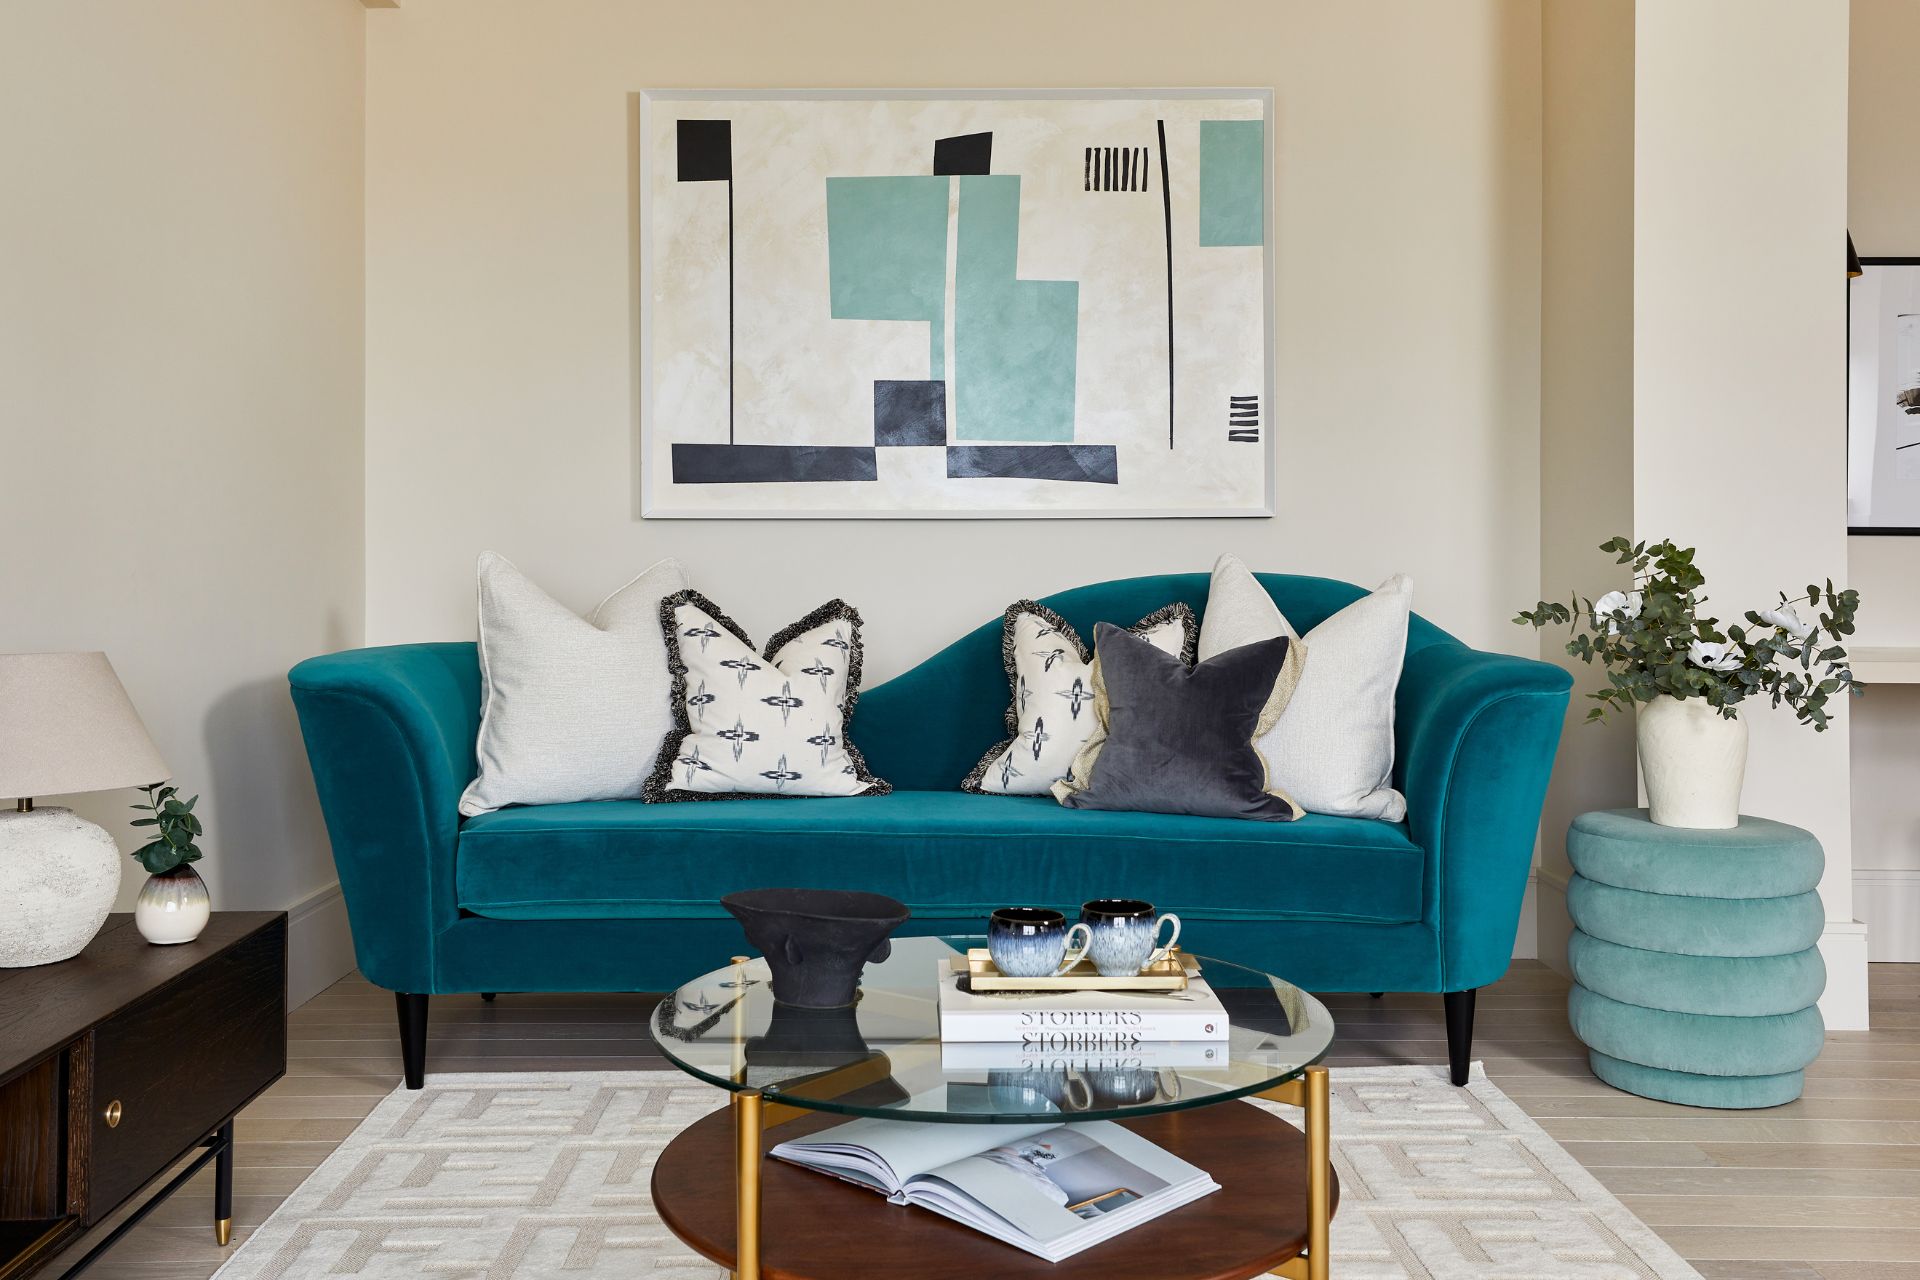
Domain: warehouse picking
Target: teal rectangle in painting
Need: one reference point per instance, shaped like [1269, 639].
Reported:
[1015, 342]
[1233, 182]
[887, 254]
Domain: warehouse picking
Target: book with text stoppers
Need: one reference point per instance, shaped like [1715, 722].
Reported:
[1103, 1021]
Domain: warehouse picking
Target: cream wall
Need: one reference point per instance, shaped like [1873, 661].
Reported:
[1739, 346]
[501, 304]
[181, 395]
[1883, 211]
[1586, 395]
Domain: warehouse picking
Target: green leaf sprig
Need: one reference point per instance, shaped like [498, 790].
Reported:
[172, 845]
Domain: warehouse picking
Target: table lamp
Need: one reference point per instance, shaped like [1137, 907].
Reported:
[66, 725]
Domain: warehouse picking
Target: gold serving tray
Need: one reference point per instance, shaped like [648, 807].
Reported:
[1169, 974]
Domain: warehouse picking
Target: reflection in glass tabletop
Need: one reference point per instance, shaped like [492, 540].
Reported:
[883, 1056]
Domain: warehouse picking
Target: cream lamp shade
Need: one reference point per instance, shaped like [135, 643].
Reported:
[67, 725]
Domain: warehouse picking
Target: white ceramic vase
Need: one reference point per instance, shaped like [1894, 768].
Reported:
[173, 907]
[59, 874]
[1693, 760]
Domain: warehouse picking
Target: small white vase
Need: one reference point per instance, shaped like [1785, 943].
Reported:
[173, 907]
[1693, 760]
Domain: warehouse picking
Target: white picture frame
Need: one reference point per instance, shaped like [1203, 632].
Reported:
[1883, 398]
[803, 379]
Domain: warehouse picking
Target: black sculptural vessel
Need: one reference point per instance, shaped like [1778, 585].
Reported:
[816, 941]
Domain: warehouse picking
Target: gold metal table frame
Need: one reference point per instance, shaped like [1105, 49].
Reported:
[753, 1115]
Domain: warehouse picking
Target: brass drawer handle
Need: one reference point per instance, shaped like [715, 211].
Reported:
[113, 1114]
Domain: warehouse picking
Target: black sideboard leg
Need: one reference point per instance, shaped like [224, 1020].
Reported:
[1459, 1033]
[223, 1186]
[488, 996]
[413, 1036]
[1376, 994]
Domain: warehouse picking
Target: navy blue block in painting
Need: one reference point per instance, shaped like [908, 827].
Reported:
[970, 153]
[704, 149]
[771, 463]
[1088, 463]
[909, 412]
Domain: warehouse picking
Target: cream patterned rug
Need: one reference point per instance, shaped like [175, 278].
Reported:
[515, 1176]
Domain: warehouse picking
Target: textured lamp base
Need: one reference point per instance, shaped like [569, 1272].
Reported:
[59, 874]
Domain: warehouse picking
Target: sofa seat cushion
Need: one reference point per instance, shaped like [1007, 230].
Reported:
[946, 854]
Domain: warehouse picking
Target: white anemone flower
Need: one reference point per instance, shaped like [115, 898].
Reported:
[1626, 602]
[1788, 621]
[1714, 656]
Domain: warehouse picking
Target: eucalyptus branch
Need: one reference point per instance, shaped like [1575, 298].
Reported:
[1653, 640]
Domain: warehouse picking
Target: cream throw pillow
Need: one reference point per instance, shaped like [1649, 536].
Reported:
[1332, 750]
[571, 708]
[1050, 711]
[752, 724]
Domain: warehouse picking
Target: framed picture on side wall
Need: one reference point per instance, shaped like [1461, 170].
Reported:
[1883, 397]
[953, 303]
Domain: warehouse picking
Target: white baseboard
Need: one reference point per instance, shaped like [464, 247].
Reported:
[1889, 902]
[1844, 947]
[1526, 942]
[319, 944]
[1551, 924]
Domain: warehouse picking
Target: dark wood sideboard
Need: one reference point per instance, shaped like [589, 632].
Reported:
[119, 1063]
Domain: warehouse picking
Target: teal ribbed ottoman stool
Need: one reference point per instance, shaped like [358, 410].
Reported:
[1695, 957]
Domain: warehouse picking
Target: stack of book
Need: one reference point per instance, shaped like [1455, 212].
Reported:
[1056, 1022]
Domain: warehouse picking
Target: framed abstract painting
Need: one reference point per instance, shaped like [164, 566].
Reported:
[1883, 397]
[956, 303]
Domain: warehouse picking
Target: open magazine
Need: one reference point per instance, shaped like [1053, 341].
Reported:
[1052, 1190]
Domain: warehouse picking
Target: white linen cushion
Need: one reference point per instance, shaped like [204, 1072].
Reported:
[1332, 750]
[747, 725]
[1050, 712]
[571, 708]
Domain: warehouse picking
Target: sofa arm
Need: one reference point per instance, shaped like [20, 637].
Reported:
[390, 737]
[1475, 734]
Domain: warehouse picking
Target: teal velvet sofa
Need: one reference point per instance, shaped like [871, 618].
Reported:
[624, 896]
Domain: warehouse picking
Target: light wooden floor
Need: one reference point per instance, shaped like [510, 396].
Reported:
[1827, 1188]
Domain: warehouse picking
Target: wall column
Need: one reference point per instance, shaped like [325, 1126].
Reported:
[1739, 347]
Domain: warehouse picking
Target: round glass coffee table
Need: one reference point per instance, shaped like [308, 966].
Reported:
[883, 1058]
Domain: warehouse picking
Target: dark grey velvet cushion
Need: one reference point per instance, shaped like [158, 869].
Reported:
[1179, 739]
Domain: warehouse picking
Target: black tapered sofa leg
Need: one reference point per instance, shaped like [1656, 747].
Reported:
[413, 1036]
[1459, 1033]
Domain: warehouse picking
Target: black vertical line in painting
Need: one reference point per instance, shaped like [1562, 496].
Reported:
[1128, 184]
[1166, 209]
[729, 308]
[1089, 171]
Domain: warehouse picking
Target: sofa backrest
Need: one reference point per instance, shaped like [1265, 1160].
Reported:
[926, 728]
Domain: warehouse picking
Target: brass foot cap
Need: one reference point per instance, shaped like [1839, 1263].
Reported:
[223, 1232]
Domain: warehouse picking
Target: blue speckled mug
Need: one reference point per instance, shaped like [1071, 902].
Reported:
[1033, 942]
[1126, 935]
